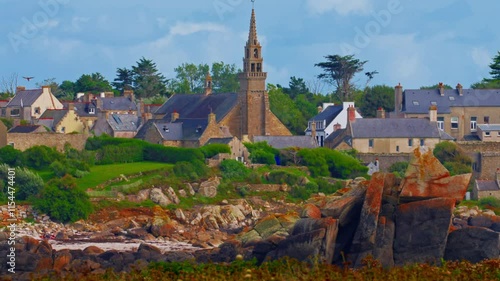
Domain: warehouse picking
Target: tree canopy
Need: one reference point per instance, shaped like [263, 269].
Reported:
[375, 97]
[190, 78]
[94, 83]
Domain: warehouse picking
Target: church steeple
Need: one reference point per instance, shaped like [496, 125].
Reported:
[253, 62]
[252, 35]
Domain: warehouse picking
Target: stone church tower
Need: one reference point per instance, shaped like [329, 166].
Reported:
[256, 116]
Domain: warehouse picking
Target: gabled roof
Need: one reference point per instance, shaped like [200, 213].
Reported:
[118, 103]
[25, 129]
[419, 101]
[170, 131]
[396, 128]
[123, 122]
[485, 185]
[198, 106]
[28, 97]
[337, 137]
[328, 114]
[192, 129]
[82, 108]
[55, 114]
[281, 142]
[489, 127]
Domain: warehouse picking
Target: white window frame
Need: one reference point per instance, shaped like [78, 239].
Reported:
[473, 124]
[440, 123]
[454, 120]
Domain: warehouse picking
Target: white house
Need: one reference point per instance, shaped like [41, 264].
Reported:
[330, 118]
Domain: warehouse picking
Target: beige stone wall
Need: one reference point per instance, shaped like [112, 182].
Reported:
[391, 145]
[71, 123]
[483, 194]
[25, 141]
[3, 134]
[233, 121]
[486, 156]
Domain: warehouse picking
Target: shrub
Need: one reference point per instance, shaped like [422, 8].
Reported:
[233, 170]
[8, 122]
[326, 162]
[190, 170]
[491, 202]
[457, 168]
[213, 149]
[27, 183]
[312, 187]
[123, 153]
[399, 168]
[62, 201]
[262, 157]
[10, 155]
[327, 188]
[281, 176]
[167, 154]
[300, 192]
[40, 157]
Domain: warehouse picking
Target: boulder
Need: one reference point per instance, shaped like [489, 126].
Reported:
[209, 188]
[159, 198]
[483, 220]
[384, 240]
[422, 230]
[148, 252]
[345, 207]
[427, 178]
[171, 195]
[473, 244]
[311, 211]
[93, 250]
[363, 242]
[62, 259]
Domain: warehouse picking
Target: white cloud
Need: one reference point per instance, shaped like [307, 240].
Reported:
[187, 28]
[481, 57]
[342, 7]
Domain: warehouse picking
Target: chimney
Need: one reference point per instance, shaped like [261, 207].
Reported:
[211, 118]
[20, 88]
[320, 109]
[351, 114]
[208, 84]
[460, 89]
[433, 113]
[313, 130]
[71, 106]
[381, 113]
[109, 94]
[441, 89]
[398, 99]
[98, 102]
[175, 116]
[129, 94]
[46, 89]
[337, 127]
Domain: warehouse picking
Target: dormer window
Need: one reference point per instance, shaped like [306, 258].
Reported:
[198, 130]
[91, 110]
[433, 103]
[166, 129]
[451, 98]
[416, 102]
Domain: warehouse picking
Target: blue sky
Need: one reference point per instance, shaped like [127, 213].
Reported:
[414, 43]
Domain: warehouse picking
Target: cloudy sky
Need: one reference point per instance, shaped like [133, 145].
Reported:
[410, 42]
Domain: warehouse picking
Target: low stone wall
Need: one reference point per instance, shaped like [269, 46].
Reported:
[25, 141]
[385, 160]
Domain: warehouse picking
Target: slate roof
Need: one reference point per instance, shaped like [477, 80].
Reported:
[419, 101]
[27, 96]
[484, 185]
[170, 131]
[198, 106]
[55, 114]
[118, 103]
[192, 129]
[281, 142]
[489, 127]
[396, 128]
[123, 122]
[219, 140]
[330, 113]
[25, 129]
[337, 137]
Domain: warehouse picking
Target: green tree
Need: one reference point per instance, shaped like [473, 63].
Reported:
[339, 71]
[453, 158]
[148, 81]
[190, 78]
[63, 201]
[27, 182]
[40, 156]
[225, 78]
[436, 86]
[296, 86]
[124, 79]
[495, 68]
[376, 97]
[54, 87]
[486, 84]
[286, 110]
[10, 155]
[68, 90]
[94, 83]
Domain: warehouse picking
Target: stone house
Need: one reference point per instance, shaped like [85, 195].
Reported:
[387, 135]
[64, 121]
[182, 132]
[3, 134]
[459, 111]
[487, 188]
[29, 105]
[245, 114]
[238, 149]
[117, 125]
[330, 118]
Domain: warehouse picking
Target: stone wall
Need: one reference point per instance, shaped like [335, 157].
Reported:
[25, 141]
[485, 156]
[385, 160]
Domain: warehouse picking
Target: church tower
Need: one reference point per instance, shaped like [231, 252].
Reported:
[254, 100]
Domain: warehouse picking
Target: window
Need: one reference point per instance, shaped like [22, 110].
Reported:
[91, 110]
[397, 148]
[3, 112]
[416, 102]
[454, 122]
[259, 67]
[422, 142]
[410, 142]
[474, 167]
[498, 133]
[11, 144]
[370, 143]
[14, 112]
[63, 129]
[253, 67]
[248, 53]
[487, 134]
[434, 103]
[473, 123]
[486, 120]
[255, 53]
[37, 110]
[440, 122]
[451, 98]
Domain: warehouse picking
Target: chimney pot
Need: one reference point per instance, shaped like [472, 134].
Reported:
[460, 89]
[381, 113]
[441, 89]
[398, 99]
[351, 112]
[433, 113]
[175, 116]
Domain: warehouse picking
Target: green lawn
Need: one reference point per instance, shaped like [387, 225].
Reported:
[102, 173]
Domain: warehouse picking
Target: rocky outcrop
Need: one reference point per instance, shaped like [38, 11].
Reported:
[397, 224]
[209, 188]
[159, 198]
